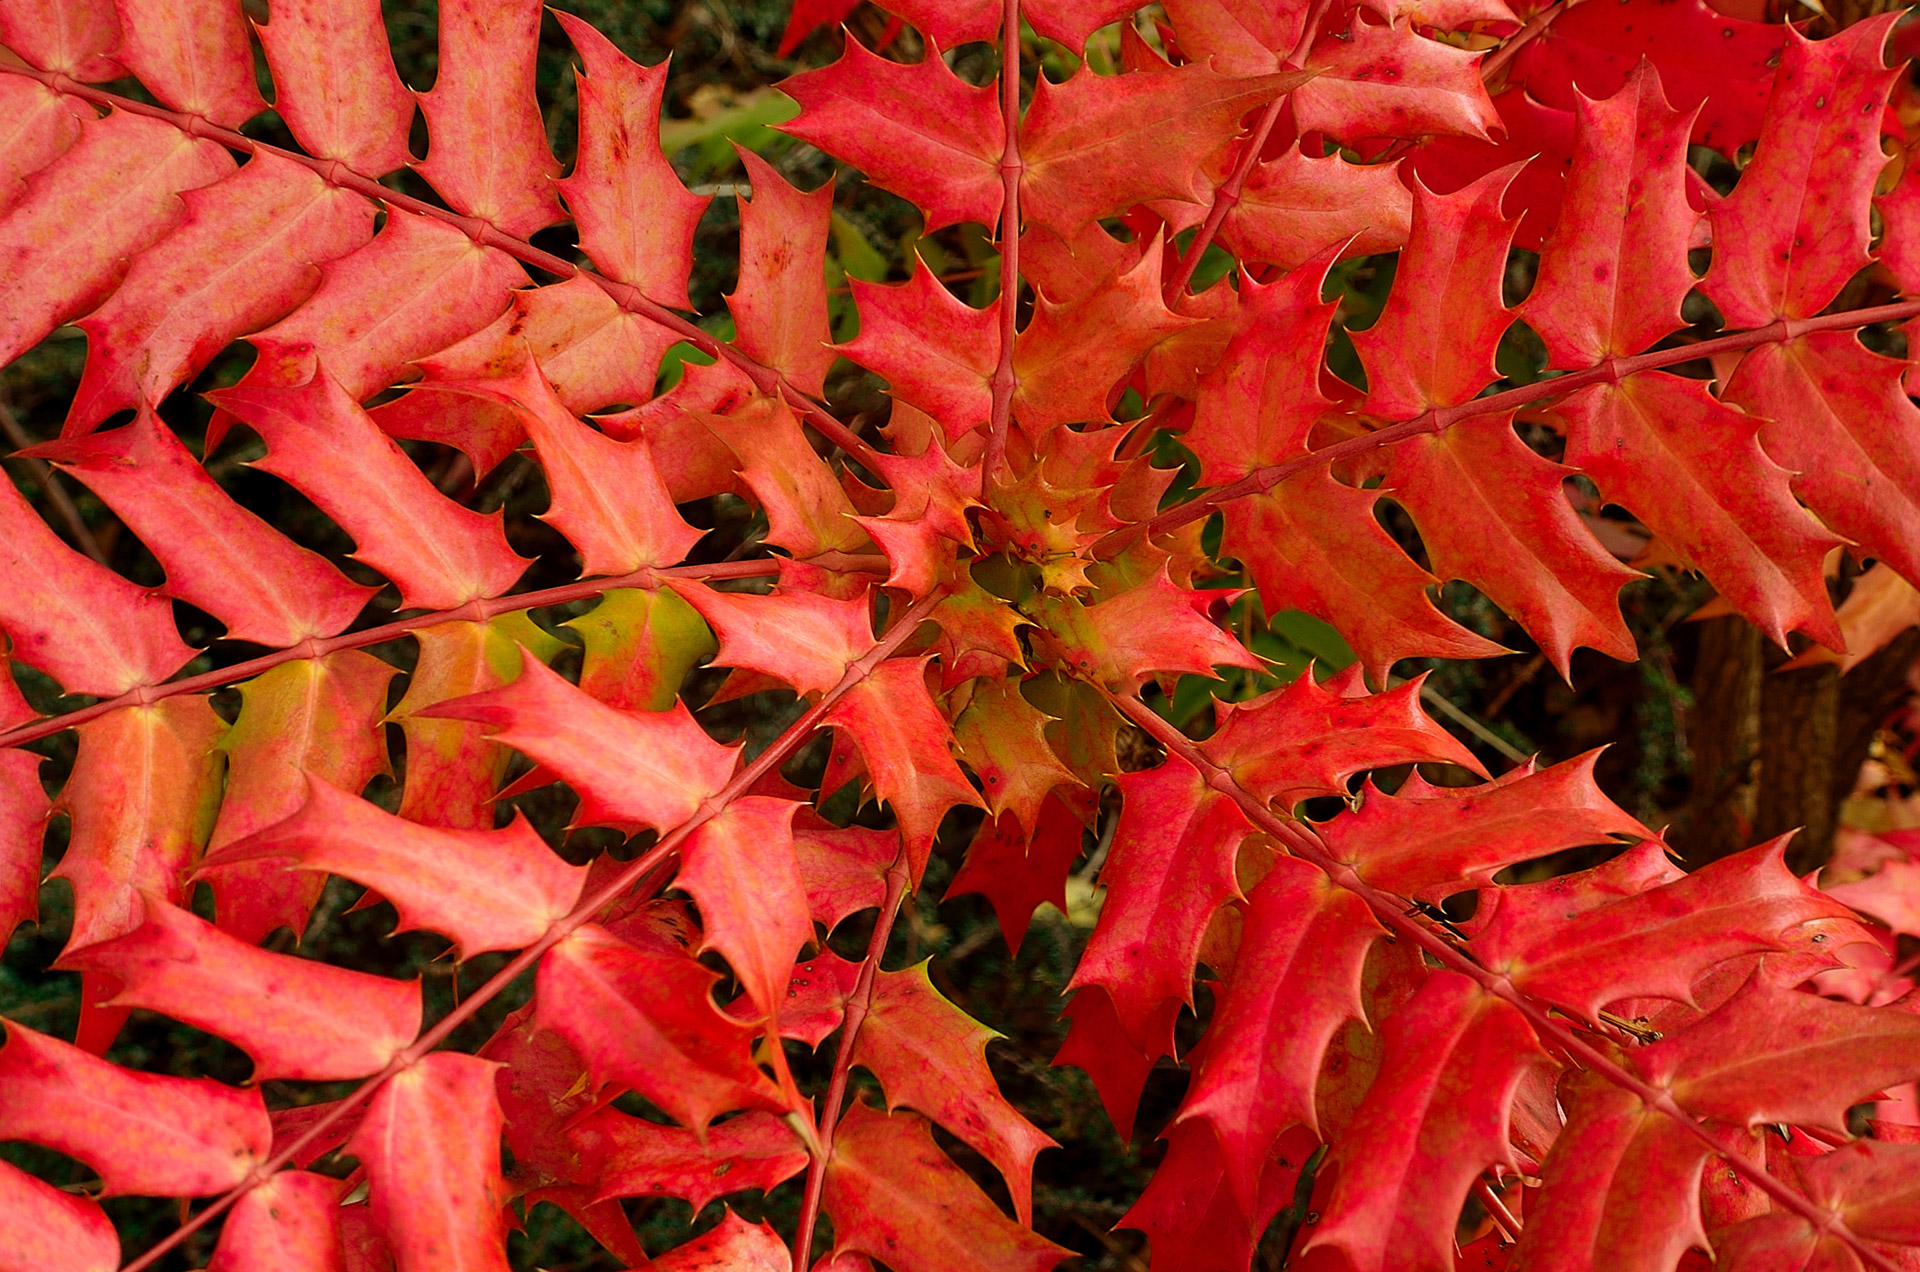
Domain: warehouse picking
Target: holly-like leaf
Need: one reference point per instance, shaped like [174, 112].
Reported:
[1295, 981]
[930, 1056]
[487, 144]
[65, 244]
[87, 627]
[285, 1222]
[638, 769]
[1098, 144]
[193, 55]
[780, 303]
[1492, 511]
[41, 126]
[484, 889]
[894, 1195]
[1872, 1186]
[268, 227]
[933, 350]
[1770, 1054]
[1376, 80]
[807, 509]
[1171, 866]
[632, 1157]
[145, 1133]
[1611, 282]
[438, 553]
[335, 86]
[905, 742]
[639, 646]
[802, 638]
[75, 37]
[1295, 205]
[1017, 869]
[51, 1230]
[1153, 627]
[1003, 739]
[645, 1018]
[217, 555]
[1433, 1120]
[1426, 841]
[733, 1244]
[1192, 1221]
[24, 809]
[1797, 225]
[740, 869]
[843, 869]
[1308, 738]
[430, 1143]
[297, 1018]
[1691, 467]
[916, 129]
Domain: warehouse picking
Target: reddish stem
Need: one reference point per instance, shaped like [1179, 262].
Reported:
[1004, 381]
[1394, 913]
[858, 1004]
[473, 612]
[1441, 418]
[766, 379]
[1225, 199]
[582, 913]
[1497, 61]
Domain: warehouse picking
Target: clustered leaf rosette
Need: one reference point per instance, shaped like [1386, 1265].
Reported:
[1625, 1065]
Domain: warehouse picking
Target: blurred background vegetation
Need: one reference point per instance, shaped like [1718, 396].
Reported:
[1658, 716]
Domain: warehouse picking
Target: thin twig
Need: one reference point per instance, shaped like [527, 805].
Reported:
[744, 781]
[50, 483]
[1004, 381]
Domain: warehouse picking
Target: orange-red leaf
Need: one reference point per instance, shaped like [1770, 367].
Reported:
[803, 638]
[740, 869]
[71, 36]
[780, 302]
[732, 1245]
[632, 1157]
[935, 351]
[334, 83]
[285, 1222]
[1387, 80]
[193, 54]
[47, 1229]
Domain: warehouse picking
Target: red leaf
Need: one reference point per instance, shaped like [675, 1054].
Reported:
[335, 86]
[894, 1195]
[1388, 81]
[1873, 1186]
[1098, 1043]
[24, 809]
[1775, 1055]
[1240, 37]
[430, 1144]
[244, 254]
[1295, 982]
[50, 1230]
[70, 36]
[438, 553]
[780, 302]
[636, 220]
[1652, 940]
[193, 55]
[64, 245]
[807, 509]
[904, 740]
[1098, 144]
[1313, 544]
[608, 499]
[1622, 1187]
[41, 126]
[1071, 21]
[1192, 1222]
[1491, 511]
[1429, 841]
[284, 1222]
[146, 1134]
[87, 627]
[638, 769]
[420, 286]
[1171, 866]
[1540, 138]
[1691, 468]
[487, 153]
[295, 1017]
[842, 869]
[808, 16]
[1309, 738]
[1003, 738]
[1296, 205]
[1612, 277]
[632, 1157]
[645, 1018]
[916, 129]
[1148, 628]
[803, 638]
[931, 1056]
[740, 869]
[217, 555]
[1434, 342]
[484, 889]
[1434, 1119]
[932, 349]
[139, 785]
[1797, 225]
[733, 1245]
[1017, 870]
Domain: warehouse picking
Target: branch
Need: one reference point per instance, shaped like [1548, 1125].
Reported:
[858, 1004]
[1393, 912]
[1440, 418]
[1011, 166]
[581, 914]
[765, 379]
[473, 612]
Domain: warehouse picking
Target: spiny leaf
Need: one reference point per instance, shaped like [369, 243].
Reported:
[72, 36]
[733, 1244]
[633, 1157]
[193, 55]
[740, 869]
[933, 350]
[50, 1230]
[802, 638]
[286, 1222]
[334, 83]
[780, 303]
